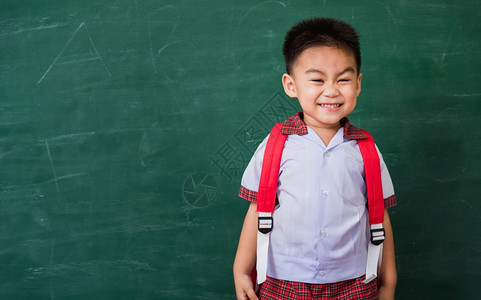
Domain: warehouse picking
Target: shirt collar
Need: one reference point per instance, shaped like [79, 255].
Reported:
[295, 125]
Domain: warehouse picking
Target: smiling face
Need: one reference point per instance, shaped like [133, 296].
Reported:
[326, 82]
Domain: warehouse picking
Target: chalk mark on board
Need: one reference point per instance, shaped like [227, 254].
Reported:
[69, 136]
[151, 49]
[66, 177]
[52, 166]
[178, 71]
[38, 28]
[448, 42]
[6, 153]
[258, 5]
[259, 23]
[52, 250]
[389, 12]
[465, 95]
[66, 46]
[171, 33]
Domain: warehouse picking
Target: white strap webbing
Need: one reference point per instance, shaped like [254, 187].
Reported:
[262, 249]
[374, 259]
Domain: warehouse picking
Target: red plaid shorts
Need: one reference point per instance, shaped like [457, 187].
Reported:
[276, 289]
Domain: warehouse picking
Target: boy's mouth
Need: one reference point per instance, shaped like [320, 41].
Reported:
[331, 106]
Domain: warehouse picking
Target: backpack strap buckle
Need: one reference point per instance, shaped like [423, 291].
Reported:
[377, 234]
[265, 222]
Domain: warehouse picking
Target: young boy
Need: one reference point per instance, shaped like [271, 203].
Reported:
[319, 241]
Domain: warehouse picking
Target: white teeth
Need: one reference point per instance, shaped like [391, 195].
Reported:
[330, 105]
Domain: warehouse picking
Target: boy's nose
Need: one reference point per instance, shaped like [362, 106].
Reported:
[330, 90]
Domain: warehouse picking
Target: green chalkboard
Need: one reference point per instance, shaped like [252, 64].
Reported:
[125, 127]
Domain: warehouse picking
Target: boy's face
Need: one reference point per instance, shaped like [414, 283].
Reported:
[326, 82]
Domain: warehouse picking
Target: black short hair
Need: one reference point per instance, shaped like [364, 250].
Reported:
[320, 32]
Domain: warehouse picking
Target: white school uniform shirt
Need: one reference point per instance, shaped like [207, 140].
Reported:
[320, 232]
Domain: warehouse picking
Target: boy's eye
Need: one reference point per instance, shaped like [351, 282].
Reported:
[317, 80]
[344, 80]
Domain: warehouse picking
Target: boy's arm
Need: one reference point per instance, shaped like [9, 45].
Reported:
[388, 274]
[246, 255]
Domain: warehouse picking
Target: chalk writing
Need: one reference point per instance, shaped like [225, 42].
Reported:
[97, 55]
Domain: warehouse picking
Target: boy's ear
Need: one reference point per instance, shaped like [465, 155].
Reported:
[358, 91]
[289, 86]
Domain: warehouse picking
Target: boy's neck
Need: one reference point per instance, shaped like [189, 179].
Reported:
[327, 133]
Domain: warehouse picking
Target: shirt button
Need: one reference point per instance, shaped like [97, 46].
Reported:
[328, 154]
[322, 273]
[325, 192]
[323, 234]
